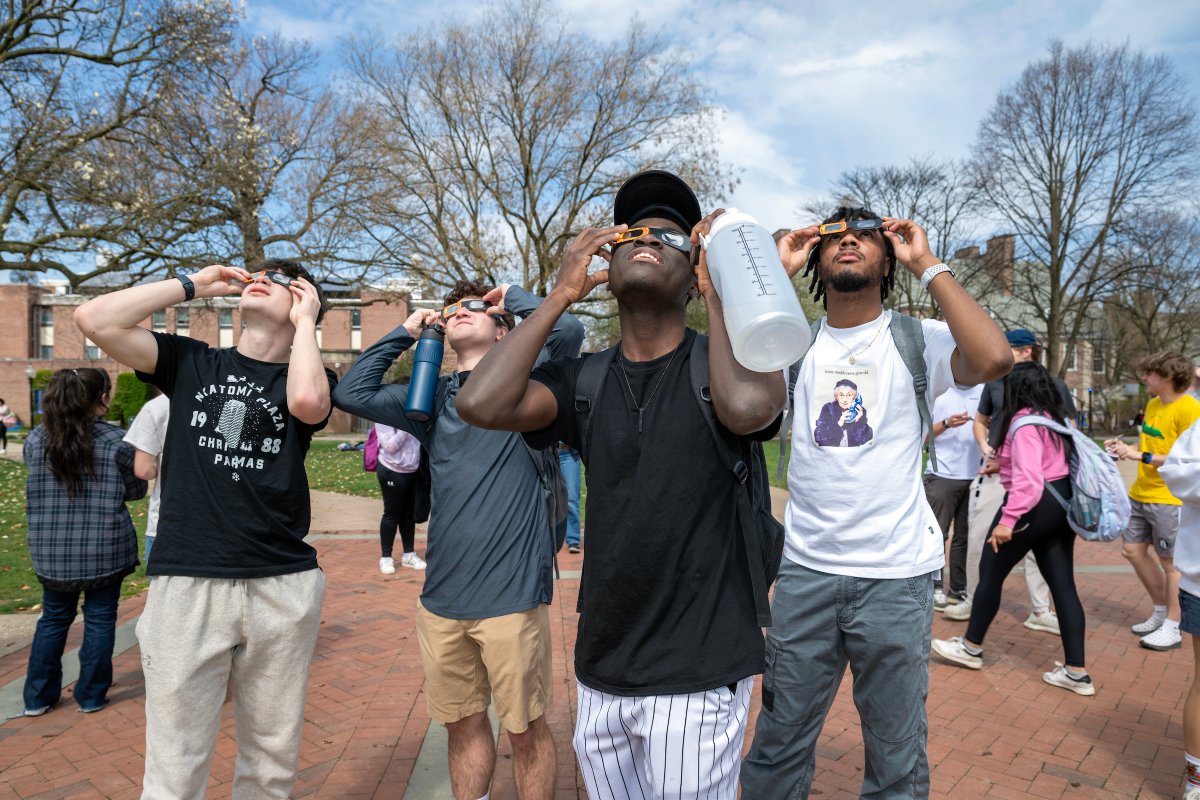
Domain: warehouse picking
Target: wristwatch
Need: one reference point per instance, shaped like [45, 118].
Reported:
[931, 273]
[189, 288]
[1147, 458]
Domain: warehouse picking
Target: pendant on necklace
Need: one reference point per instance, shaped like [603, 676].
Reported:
[851, 359]
[640, 411]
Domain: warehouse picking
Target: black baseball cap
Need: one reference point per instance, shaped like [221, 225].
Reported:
[656, 193]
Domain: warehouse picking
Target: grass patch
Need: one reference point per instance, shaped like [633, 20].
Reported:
[333, 470]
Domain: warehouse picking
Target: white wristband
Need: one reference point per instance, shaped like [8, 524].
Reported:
[931, 273]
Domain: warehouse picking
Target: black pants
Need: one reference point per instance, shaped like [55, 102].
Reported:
[1043, 530]
[399, 490]
[950, 500]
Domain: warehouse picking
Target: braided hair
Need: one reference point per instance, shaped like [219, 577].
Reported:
[70, 411]
[816, 287]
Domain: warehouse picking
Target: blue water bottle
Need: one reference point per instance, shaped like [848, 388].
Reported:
[427, 363]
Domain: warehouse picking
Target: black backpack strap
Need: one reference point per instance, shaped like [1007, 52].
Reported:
[731, 456]
[588, 384]
[910, 342]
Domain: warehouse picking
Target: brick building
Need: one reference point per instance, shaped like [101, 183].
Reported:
[37, 332]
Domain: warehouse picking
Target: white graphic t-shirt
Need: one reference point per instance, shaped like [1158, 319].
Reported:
[958, 453]
[235, 501]
[856, 503]
[148, 433]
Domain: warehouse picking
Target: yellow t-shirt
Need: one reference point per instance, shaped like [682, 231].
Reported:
[1162, 426]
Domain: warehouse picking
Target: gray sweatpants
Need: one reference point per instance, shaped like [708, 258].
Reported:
[203, 637]
[987, 497]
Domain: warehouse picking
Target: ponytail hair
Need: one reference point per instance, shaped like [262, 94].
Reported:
[69, 407]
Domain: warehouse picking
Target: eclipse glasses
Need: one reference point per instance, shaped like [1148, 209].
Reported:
[843, 225]
[670, 238]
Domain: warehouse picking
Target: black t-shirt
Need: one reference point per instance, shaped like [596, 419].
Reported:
[991, 404]
[235, 501]
[666, 605]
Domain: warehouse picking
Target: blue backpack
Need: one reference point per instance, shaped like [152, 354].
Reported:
[1099, 506]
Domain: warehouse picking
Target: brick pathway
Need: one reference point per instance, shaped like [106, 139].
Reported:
[999, 733]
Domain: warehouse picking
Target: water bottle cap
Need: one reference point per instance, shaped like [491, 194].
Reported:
[731, 217]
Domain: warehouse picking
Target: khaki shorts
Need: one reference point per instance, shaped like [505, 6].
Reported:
[467, 662]
[1153, 523]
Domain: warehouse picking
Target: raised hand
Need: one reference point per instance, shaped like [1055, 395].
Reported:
[219, 280]
[419, 320]
[306, 303]
[699, 256]
[910, 244]
[797, 246]
[573, 281]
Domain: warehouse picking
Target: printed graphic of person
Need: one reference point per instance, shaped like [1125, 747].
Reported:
[843, 422]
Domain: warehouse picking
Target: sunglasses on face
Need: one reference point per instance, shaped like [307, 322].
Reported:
[843, 225]
[670, 238]
[273, 277]
[470, 305]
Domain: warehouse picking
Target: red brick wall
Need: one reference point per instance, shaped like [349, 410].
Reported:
[16, 327]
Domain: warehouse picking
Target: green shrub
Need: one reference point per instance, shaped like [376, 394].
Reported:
[128, 397]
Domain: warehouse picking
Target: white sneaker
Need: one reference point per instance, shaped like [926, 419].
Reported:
[412, 561]
[1162, 639]
[387, 566]
[1047, 622]
[1149, 626]
[1059, 677]
[953, 650]
[939, 600]
[960, 612]
[1191, 793]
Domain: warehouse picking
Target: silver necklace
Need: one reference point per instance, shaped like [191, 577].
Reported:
[642, 408]
[853, 356]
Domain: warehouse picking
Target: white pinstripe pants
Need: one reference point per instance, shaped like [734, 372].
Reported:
[662, 747]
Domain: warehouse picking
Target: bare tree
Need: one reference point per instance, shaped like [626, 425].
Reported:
[248, 160]
[939, 194]
[1088, 139]
[75, 73]
[507, 135]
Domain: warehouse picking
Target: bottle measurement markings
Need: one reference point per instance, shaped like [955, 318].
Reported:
[757, 271]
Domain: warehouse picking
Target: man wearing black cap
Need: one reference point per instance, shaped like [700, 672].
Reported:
[987, 495]
[669, 639]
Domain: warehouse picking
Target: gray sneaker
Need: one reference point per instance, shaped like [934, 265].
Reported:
[959, 612]
[1046, 622]
[1059, 677]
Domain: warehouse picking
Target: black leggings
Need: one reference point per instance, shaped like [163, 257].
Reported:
[399, 490]
[1053, 544]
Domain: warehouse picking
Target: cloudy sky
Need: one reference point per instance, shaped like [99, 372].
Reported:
[810, 93]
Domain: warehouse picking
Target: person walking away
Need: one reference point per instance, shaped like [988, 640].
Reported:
[399, 460]
[1031, 520]
[81, 537]
[948, 486]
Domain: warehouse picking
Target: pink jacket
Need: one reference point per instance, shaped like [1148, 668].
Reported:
[1028, 459]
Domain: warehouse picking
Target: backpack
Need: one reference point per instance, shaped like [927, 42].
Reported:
[762, 533]
[909, 339]
[545, 461]
[371, 451]
[1099, 506]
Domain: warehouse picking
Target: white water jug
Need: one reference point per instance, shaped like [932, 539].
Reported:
[766, 325]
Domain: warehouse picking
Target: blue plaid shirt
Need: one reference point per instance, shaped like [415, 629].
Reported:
[89, 541]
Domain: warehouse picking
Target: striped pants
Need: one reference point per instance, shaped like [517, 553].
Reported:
[681, 746]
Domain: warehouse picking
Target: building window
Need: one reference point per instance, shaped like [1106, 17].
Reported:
[182, 322]
[319, 341]
[158, 321]
[90, 350]
[1098, 359]
[46, 332]
[225, 327]
[356, 319]
[1070, 360]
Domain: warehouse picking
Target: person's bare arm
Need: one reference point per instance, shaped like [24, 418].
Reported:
[982, 353]
[113, 320]
[307, 383]
[499, 395]
[145, 465]
[744, 401]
